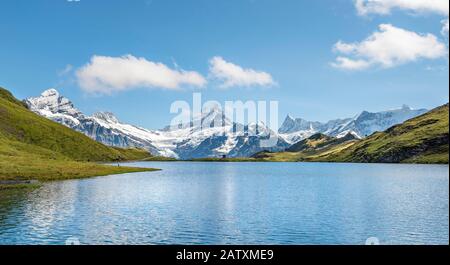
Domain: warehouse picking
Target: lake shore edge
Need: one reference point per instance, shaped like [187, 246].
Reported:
[85, 170]
[244, 160]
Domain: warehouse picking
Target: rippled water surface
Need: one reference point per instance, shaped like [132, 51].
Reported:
[236, 203]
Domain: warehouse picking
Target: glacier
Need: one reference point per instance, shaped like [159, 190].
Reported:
[210, 134]
[203, 137]
[362, 125]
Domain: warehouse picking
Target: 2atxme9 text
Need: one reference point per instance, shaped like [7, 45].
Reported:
[236, 254]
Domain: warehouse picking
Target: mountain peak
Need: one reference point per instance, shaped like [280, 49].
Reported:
[289, 118]
[106, 116]
[51, 104]
[291, 125]
[50, 93]
[406, 107]
[350, 136]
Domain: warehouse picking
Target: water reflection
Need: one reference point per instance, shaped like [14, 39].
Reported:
[240, 203]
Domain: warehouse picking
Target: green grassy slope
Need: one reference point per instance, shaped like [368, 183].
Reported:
[423, 139]
[309, 149]
[32, 147]
[20, 124]
[319, 142]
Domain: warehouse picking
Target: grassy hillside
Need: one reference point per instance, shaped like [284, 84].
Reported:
[319, 142]
[309, 149]
[32, 147]
[423, 139]
[20, 124]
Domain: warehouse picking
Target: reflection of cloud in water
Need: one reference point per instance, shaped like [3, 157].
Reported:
[49, 207]
[125, 213]
[228, 227]
[240, 203]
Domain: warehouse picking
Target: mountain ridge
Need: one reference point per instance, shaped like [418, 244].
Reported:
[33, 147]
[209, 135]
[422, 139]
[361, 125]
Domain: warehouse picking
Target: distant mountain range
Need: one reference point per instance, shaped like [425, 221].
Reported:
[203, 138]
[423, 139]
[361, 126]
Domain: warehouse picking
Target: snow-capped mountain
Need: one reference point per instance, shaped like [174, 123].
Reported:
[51, 105]
[209, 135]
[362, 125]
[294, 130]
[103, 127]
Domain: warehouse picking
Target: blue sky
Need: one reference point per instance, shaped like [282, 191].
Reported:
[292, 41]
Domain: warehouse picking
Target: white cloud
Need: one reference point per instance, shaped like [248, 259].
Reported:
[66, 70]
[388, 47]
[350, 64]
[444, 30]
[233, 75]
[343, 47]
[105, 75]
[384, 7]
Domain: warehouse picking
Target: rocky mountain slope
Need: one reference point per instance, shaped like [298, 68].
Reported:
[319, 141]
[211, 134]
[308, 149]
[423, 139]
[362, 125]
[204, 137]
[34, 147]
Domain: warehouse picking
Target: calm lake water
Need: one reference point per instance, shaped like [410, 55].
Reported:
[236, 203]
